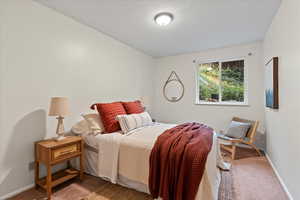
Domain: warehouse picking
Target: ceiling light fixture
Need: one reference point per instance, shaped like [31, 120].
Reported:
[163, 19]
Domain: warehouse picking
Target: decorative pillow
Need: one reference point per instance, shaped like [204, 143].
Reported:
[134, 107]
[94, 123]
[108, 113]
[81, 128]
[237, 129]
[133, 121]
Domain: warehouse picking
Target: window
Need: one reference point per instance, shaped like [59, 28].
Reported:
[221, 82]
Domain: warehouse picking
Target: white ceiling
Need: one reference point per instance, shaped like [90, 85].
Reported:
[197, 25]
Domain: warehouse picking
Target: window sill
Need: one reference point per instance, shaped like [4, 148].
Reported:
[222, 104]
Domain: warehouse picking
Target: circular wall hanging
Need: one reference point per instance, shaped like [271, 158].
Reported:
[173, 89]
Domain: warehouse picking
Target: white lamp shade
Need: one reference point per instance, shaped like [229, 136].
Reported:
[59, 106]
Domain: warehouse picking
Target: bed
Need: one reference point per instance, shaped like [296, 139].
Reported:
[124, 159]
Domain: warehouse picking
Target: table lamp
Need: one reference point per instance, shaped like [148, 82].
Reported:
[59, 107]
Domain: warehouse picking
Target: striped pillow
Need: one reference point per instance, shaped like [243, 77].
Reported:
[133, 121]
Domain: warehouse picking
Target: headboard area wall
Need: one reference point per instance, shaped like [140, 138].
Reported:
[59, 57]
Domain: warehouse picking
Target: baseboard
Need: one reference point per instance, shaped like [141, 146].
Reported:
[18, 191]
[279, 178]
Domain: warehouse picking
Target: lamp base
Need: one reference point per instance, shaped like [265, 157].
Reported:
[60, 129]
[59, 138]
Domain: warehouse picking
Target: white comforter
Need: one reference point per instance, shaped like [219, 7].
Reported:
[128, 156]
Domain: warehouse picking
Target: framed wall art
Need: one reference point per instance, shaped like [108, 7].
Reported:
[271, 78]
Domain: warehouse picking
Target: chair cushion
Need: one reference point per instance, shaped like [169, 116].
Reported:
[237, 129]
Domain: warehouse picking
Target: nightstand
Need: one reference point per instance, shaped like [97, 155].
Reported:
[50, 153]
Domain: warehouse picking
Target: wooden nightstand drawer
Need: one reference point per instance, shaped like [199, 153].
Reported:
[62, 152]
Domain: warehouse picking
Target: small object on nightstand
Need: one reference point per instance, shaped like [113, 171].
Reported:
[59, 107]
[52, 152]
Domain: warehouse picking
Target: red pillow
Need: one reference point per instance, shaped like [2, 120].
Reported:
[108, 113]
[134, 107]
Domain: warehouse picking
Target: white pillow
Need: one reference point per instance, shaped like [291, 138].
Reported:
[81, 128]
[94, 123]
[133, 121]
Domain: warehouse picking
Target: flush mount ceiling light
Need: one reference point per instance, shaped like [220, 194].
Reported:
[163, 19]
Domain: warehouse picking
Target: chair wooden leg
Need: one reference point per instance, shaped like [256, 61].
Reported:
[256, 149]
[233, 152]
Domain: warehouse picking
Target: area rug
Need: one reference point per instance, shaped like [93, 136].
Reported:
[72, 192]
[226, 190]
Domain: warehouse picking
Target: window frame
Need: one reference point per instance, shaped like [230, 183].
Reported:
[220, 102]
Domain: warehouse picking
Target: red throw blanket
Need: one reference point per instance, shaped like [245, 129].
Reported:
[177, 161]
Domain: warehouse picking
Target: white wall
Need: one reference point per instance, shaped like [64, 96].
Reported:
[216, 116]
[47, 54]
[1, 81]
[283, 40]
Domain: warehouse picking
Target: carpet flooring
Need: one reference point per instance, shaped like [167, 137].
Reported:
[250, 178]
